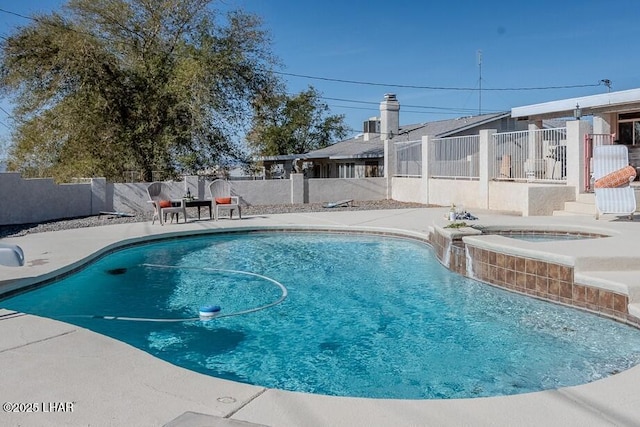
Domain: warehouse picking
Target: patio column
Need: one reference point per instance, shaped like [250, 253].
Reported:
[389, 125]
[534, 151]
[424, 182]
[99, 194]
[389, 166]
[486, 158]
[602, 123]
[576, 131]
[297, 188]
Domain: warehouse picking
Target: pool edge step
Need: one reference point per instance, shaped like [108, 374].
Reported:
[624, 282]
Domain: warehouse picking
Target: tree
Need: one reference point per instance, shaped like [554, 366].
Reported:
[116, 85]
[296, 124]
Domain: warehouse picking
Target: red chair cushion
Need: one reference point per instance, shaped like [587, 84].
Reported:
[223, 200]
[164, 203]
[617, 178]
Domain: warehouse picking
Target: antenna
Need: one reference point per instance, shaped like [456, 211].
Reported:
[479, 56]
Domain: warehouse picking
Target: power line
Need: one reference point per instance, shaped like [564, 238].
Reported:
[8, 115]
[433, 87]
[453, 113]
[51, 24]
[6, 112]
[426, 107]
[8, 12]
[358, 82]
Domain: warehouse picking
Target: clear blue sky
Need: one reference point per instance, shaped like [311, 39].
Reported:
[435, 44]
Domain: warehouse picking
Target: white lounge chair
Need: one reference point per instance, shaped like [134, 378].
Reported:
[615, 200]
[163, 204]
[222, 199]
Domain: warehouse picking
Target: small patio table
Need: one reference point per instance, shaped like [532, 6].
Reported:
[195, 203]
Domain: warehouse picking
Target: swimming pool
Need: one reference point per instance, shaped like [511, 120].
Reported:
[364, 316]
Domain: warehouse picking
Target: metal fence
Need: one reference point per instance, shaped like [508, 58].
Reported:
[531, 155]
[408, 158]
[455, 157]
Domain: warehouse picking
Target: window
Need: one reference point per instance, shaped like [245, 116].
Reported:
[322, 170]
[370, 169]
[629, 128]
[347, 170]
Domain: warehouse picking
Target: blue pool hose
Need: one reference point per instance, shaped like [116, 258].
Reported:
[284, 290]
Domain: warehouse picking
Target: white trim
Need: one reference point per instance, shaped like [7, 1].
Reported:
[569, 104]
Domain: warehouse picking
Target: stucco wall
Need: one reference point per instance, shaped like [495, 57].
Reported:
[334, 189]
[406, 189]
[26, 201]
[36, 200]
[133, 197]
[444, 192]
[507, 196]
[529, 199]
[543, 200]
[263, 192]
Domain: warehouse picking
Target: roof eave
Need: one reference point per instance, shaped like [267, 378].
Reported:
[278, 158]
[356, 156]
[475, 124]
[601, 103]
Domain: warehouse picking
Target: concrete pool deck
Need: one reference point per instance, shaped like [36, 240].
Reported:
[72, 376]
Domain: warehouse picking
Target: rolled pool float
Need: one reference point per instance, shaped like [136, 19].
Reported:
[209, 311]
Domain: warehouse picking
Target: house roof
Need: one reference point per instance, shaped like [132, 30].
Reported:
[280, 157]
[351, 148]
[603, 103]
[358, 148]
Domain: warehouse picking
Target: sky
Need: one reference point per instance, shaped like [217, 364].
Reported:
[442, 59]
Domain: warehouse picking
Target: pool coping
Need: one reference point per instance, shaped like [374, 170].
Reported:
[32, 346]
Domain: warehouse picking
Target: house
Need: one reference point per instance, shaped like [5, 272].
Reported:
[363, 155]
[615, 118]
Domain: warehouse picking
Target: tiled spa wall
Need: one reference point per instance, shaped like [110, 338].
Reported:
[542, 279]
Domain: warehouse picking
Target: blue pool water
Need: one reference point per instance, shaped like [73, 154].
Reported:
[364, 316]
[546, 237]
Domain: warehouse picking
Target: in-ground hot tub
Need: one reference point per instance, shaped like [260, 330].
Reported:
[533, 235]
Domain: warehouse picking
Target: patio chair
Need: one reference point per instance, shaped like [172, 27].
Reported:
[164, 205]
[222, 199]
[613, 176]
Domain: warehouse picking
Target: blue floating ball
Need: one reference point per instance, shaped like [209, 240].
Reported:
[209, 310]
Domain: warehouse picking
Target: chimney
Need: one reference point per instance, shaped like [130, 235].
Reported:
[389, 116]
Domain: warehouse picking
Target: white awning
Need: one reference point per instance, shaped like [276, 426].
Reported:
[588, 104]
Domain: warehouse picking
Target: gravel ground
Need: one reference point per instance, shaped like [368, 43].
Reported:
[93, 221]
